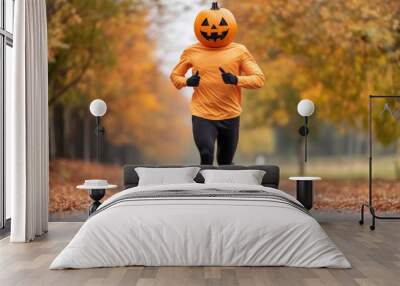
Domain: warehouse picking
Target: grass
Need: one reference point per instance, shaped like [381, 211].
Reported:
[344, 168]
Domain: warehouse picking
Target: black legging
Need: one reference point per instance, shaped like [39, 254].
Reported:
[206, 132]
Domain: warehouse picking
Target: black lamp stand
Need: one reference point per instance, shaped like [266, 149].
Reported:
[100, 131]
[97, 194]
[304, 131]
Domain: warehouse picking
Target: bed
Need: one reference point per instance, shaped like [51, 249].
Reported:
[197, 224]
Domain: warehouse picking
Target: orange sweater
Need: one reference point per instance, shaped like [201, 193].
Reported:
[213, 99]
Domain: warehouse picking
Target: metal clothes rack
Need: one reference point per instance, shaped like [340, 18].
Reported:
[370, 202]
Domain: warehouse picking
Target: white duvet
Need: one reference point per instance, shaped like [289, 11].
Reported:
[200, 232]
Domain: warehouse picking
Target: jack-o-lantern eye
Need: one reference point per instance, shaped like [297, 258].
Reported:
[223, 22]
[205, 23]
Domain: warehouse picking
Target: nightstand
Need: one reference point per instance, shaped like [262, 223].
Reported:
[97, 190]
[304, 190]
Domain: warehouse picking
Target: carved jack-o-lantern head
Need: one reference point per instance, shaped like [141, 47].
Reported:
[215, 28]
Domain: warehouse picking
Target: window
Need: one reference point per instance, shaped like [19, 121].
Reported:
[6, 64]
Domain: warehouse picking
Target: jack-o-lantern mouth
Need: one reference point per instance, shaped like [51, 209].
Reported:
[214, 36]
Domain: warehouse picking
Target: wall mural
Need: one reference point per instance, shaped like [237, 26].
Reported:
[335, 53]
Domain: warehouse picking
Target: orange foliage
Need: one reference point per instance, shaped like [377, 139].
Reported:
[335, 52]
[145, 111]
[65, 175]
[348, 195]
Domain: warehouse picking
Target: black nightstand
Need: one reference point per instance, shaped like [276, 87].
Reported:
[304, 190]
[97, 190]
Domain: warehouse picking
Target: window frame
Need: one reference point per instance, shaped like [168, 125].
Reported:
[6, 39]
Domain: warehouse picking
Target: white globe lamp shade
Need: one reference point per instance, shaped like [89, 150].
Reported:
[306, 108]
[98, 108]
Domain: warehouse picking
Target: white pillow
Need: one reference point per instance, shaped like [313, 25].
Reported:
[246, 177]
[166, 176]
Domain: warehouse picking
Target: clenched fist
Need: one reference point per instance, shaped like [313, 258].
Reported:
[228, 78]
[194, 80]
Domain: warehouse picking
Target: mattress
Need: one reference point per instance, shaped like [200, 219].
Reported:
[201, 225]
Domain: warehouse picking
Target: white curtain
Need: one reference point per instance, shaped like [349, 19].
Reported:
[27, 124]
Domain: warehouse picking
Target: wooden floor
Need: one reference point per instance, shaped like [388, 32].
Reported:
[375, 257]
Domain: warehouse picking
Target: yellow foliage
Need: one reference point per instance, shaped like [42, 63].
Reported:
[334, 52]
[145, 111]
[256, 141]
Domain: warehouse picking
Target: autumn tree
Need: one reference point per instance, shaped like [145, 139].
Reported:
[144, 109]
[333, 52]
[101, 49]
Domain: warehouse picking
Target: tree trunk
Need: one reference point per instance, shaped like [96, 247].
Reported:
[86, 138]
[68, 142]
[75, 134]
[58, 116]
[397, 160]
[52, 135]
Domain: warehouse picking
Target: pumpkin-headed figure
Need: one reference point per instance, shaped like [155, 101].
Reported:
[216, 27]
[220, 69]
